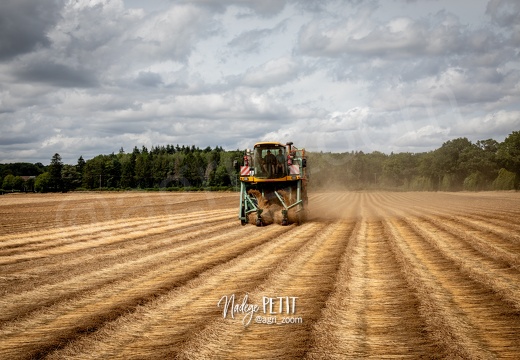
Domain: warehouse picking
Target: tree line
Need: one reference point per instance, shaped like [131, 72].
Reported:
[162, 167]
[457, 165]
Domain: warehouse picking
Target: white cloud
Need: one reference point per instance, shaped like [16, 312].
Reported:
[274, 72]
[492, 125]
[428, 135]
[172, 34]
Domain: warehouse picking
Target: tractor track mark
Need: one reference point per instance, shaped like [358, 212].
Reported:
[158, 329]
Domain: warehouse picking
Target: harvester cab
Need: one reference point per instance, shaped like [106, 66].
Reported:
[273, 184]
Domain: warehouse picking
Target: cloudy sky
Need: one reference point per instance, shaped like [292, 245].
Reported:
[87, 77]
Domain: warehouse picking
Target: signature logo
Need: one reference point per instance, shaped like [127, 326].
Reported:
[271, 306]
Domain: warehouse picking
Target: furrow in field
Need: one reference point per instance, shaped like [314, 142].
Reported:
[148, 228]
[496, 275]
[55, 325]
[424, 200]
[27, 276]
[329, 206]
[35, 239]
[373, 312]
[57, 212]
[506, 227]
[496, 222]
[409, 201]
[466, 319]
[497, 219]
[491, 210]
[11, 225]
[23, 238]
[487, 208]
[157, 330]
[488, 244]
[21, 304]
[308, 277]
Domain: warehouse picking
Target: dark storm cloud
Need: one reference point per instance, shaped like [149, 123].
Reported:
[149, 79]
[267, 8]
[20, 140]
[263, 8]
[58, 75]
[24, 25]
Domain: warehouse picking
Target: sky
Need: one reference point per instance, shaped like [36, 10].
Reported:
[89, 77]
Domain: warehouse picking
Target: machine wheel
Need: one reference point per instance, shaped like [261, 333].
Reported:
[301, 217]
[243, 216]
[285, 220]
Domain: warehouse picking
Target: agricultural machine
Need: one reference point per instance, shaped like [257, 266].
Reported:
[273, 184]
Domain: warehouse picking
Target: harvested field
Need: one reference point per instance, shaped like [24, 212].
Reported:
[370, 275]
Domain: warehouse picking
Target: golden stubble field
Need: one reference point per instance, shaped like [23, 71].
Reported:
[370, 275]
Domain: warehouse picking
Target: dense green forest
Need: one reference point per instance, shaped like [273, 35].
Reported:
[457, 165]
